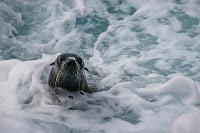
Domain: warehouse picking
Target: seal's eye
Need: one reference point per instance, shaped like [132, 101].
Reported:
[80, 61]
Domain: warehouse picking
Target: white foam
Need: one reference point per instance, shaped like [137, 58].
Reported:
[13, 126]
[187, 123]
[179, 87]
[137, 60]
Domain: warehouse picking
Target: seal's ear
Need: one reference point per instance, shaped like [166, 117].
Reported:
[86, 68]
[53, 63]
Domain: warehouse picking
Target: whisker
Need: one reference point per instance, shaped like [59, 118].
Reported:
[60, 72]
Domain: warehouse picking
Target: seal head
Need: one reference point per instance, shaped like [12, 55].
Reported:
[68, 72]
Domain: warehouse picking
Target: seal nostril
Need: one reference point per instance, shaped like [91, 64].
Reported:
[71, 62]
[70, 96]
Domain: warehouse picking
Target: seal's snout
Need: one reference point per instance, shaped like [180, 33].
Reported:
[71, 63]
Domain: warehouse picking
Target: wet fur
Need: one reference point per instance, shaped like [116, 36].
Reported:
[57, 73]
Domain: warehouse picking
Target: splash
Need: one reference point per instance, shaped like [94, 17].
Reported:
[143, 58]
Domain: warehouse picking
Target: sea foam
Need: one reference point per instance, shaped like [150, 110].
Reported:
[143, 60]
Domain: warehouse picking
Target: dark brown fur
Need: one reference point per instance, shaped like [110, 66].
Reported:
[68, 80]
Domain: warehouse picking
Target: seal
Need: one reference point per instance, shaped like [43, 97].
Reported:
[68, 73]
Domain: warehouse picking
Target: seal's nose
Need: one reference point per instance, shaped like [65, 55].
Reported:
[71, 62]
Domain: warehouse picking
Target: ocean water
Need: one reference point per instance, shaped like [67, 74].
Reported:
[143, 57]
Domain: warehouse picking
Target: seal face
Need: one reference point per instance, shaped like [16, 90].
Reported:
[68, 72]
